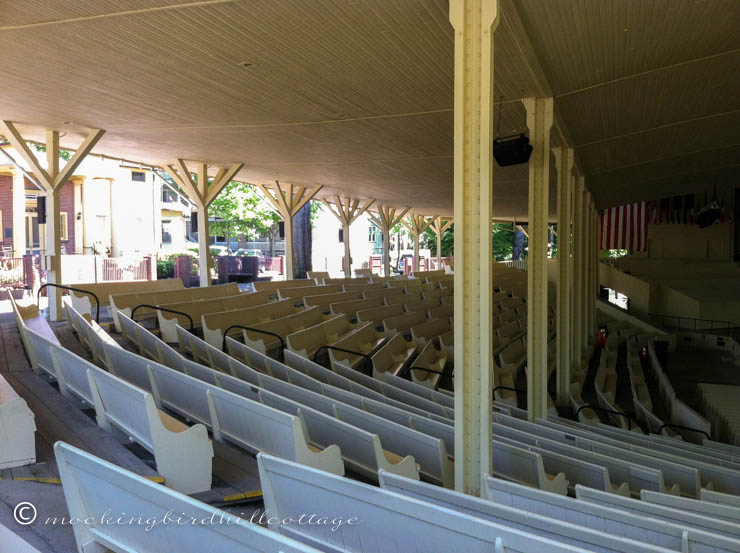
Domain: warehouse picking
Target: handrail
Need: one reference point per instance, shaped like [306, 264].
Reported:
[671, 425]
[730, 328]
[610, 411]
[167, 310]
[93, 294]
[258, 330]
[316, 353]
[517, 390]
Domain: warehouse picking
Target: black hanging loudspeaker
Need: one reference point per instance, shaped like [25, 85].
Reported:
[341, 236]
[193, 221]
[281, 229]
[512, 150]
[41, 209]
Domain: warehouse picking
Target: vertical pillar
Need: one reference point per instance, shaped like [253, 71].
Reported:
[78, 222]
[53, 229]
[578, 271]
[347, 252]
[539, 121]
[19, 214]
[591, 269]
[204, 246]
[385, 219]
[386, 251]
[586, 271]
[564, 158]
[417, 225]
[474, 22]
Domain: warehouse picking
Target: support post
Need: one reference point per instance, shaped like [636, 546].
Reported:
[578, 250]
[202, 193]
[287, 203]
[19, 213]
[347, 212]
[439, 226]
[51, 179]
[417, 225]
[474, 22]
[539, 121]
[385, 219]
[586, 271]
[564, 158]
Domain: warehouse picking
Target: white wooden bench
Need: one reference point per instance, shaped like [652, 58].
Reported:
[325, 298]
[403, 323]
[398, 523]
[131, 410]
[297, 294]
[526, 467]
[378, 314]
[362, 451]
[429, 358]
[393, 356]
[282, 327]
[711, 496]
[319, 276]
[365, 342]
[196, 309]
[684, 518]
[149, 344]
[127, 302]
[382, 292]
[307, 342]
[17, 427]
[619, 522]
[513, 357]
[400, 298]
[706, 508]
[342, 281]
[93, 486]
[533, 523]
[351, 307]
[84, 303]
[213, 325]
[636, 476]
[272, 286]
[363, 286]
[398, 383]
[688, 478]
[257, 427]
[429, 331]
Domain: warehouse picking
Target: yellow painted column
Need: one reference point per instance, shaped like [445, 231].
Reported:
[564, 159]
[53, 230]
[578, 269]
[347, 252]
[585, 288]
[539, 121]
[204, 246]
[474, 22]
[19, 214]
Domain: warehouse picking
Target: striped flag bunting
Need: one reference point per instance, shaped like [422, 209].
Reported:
[625, 227]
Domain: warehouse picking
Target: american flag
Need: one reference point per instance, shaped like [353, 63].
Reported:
[625, 227]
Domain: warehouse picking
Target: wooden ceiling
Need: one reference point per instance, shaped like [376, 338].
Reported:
[357, 94]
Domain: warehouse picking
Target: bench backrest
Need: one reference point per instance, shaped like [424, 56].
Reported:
[180, 393]
[130, 367]
[71, 373]
[308, 340]
[283, 326]
[272, 286]
[399, 523]
[403, 322]
[199, 307]
[213, 325]
[325, 298]
[351, 307]
[124, 406]
[363, 286]
[378, 314]
[318, 275]
[92, 486]
[394, 355]
[84, 302]
[302, 291]
[342, 281]
[382, 292]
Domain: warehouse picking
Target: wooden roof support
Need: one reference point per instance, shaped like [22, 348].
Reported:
[439, 226]
[417, 225]
[385, 218]
[51, 180]
[347, 212]
[287, 203]
[202, 192]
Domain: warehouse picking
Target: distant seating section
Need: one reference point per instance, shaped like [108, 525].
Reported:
[85, 303]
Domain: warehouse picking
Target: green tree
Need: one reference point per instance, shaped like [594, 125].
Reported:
[503, 241]
[429, 240]
[240, 210]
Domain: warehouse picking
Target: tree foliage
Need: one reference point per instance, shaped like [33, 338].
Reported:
[240, 210]
[429, 240]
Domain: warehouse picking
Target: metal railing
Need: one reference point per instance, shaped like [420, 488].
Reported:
[681, 427]
[88, 292]
[609, 411]
[166, 310]
[258, 330]
[701, 326]
[335, 348]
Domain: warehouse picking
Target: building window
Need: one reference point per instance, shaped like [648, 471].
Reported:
[138, 176]
[64, 224]
[372, 234]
